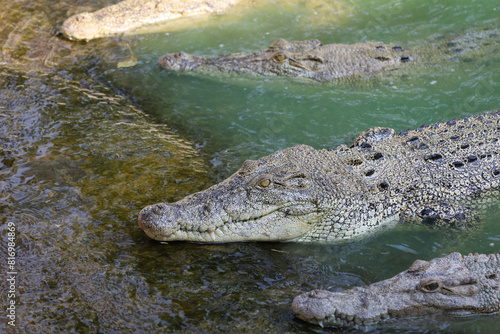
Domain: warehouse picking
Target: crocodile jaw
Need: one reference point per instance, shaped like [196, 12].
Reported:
[360, 306]
[169, 222]
[325, 308]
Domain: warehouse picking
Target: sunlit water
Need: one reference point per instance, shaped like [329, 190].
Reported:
[85, 146]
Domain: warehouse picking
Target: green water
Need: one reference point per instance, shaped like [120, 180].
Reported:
[85, 146]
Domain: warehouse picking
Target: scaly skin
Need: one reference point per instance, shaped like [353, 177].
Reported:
[432, 174]
[453, 285]
[307, 59]
[132, 14]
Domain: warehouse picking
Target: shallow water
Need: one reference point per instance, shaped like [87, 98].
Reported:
[85, 146]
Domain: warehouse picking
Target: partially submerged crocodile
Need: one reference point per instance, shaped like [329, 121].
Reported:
[432, 174]
[314, 60]
[145, 16]
[132, 14]
[454, 285]
[309, 59]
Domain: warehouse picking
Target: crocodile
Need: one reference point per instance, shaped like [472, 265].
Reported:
[305, 59]
[316, 61]
[436, 175]
[453, 285]
[129, 15]
[132, 17]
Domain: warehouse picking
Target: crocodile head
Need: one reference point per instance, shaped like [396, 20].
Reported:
[82, 26]
[449, 285]
[275, 198]
[308, 59]
[260, 63]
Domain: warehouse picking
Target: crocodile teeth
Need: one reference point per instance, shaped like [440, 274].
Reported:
[212, 235]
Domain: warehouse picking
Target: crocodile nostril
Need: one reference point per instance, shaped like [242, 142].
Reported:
[144, 218]
[144, 215]
[159, 208]
[158, 220]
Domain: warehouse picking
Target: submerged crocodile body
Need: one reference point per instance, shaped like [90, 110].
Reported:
[454, 285]
[314, 60]
[432, 174]
[132, 14]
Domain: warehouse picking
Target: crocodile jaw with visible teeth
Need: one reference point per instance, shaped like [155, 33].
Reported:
[158, 227]
[317, 307]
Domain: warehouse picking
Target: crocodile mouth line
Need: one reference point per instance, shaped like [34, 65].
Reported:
[352, 321]
[343, 320]
[232, 225]
[210, 233]
[310, 307]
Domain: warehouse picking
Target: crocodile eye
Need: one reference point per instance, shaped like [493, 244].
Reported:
[279, 57]
[264, 183]
[430, 286]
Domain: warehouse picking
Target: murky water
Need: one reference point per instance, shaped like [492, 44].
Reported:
[84, 146]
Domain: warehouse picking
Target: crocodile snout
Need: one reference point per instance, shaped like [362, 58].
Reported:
[157, 221]
[179, 61]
